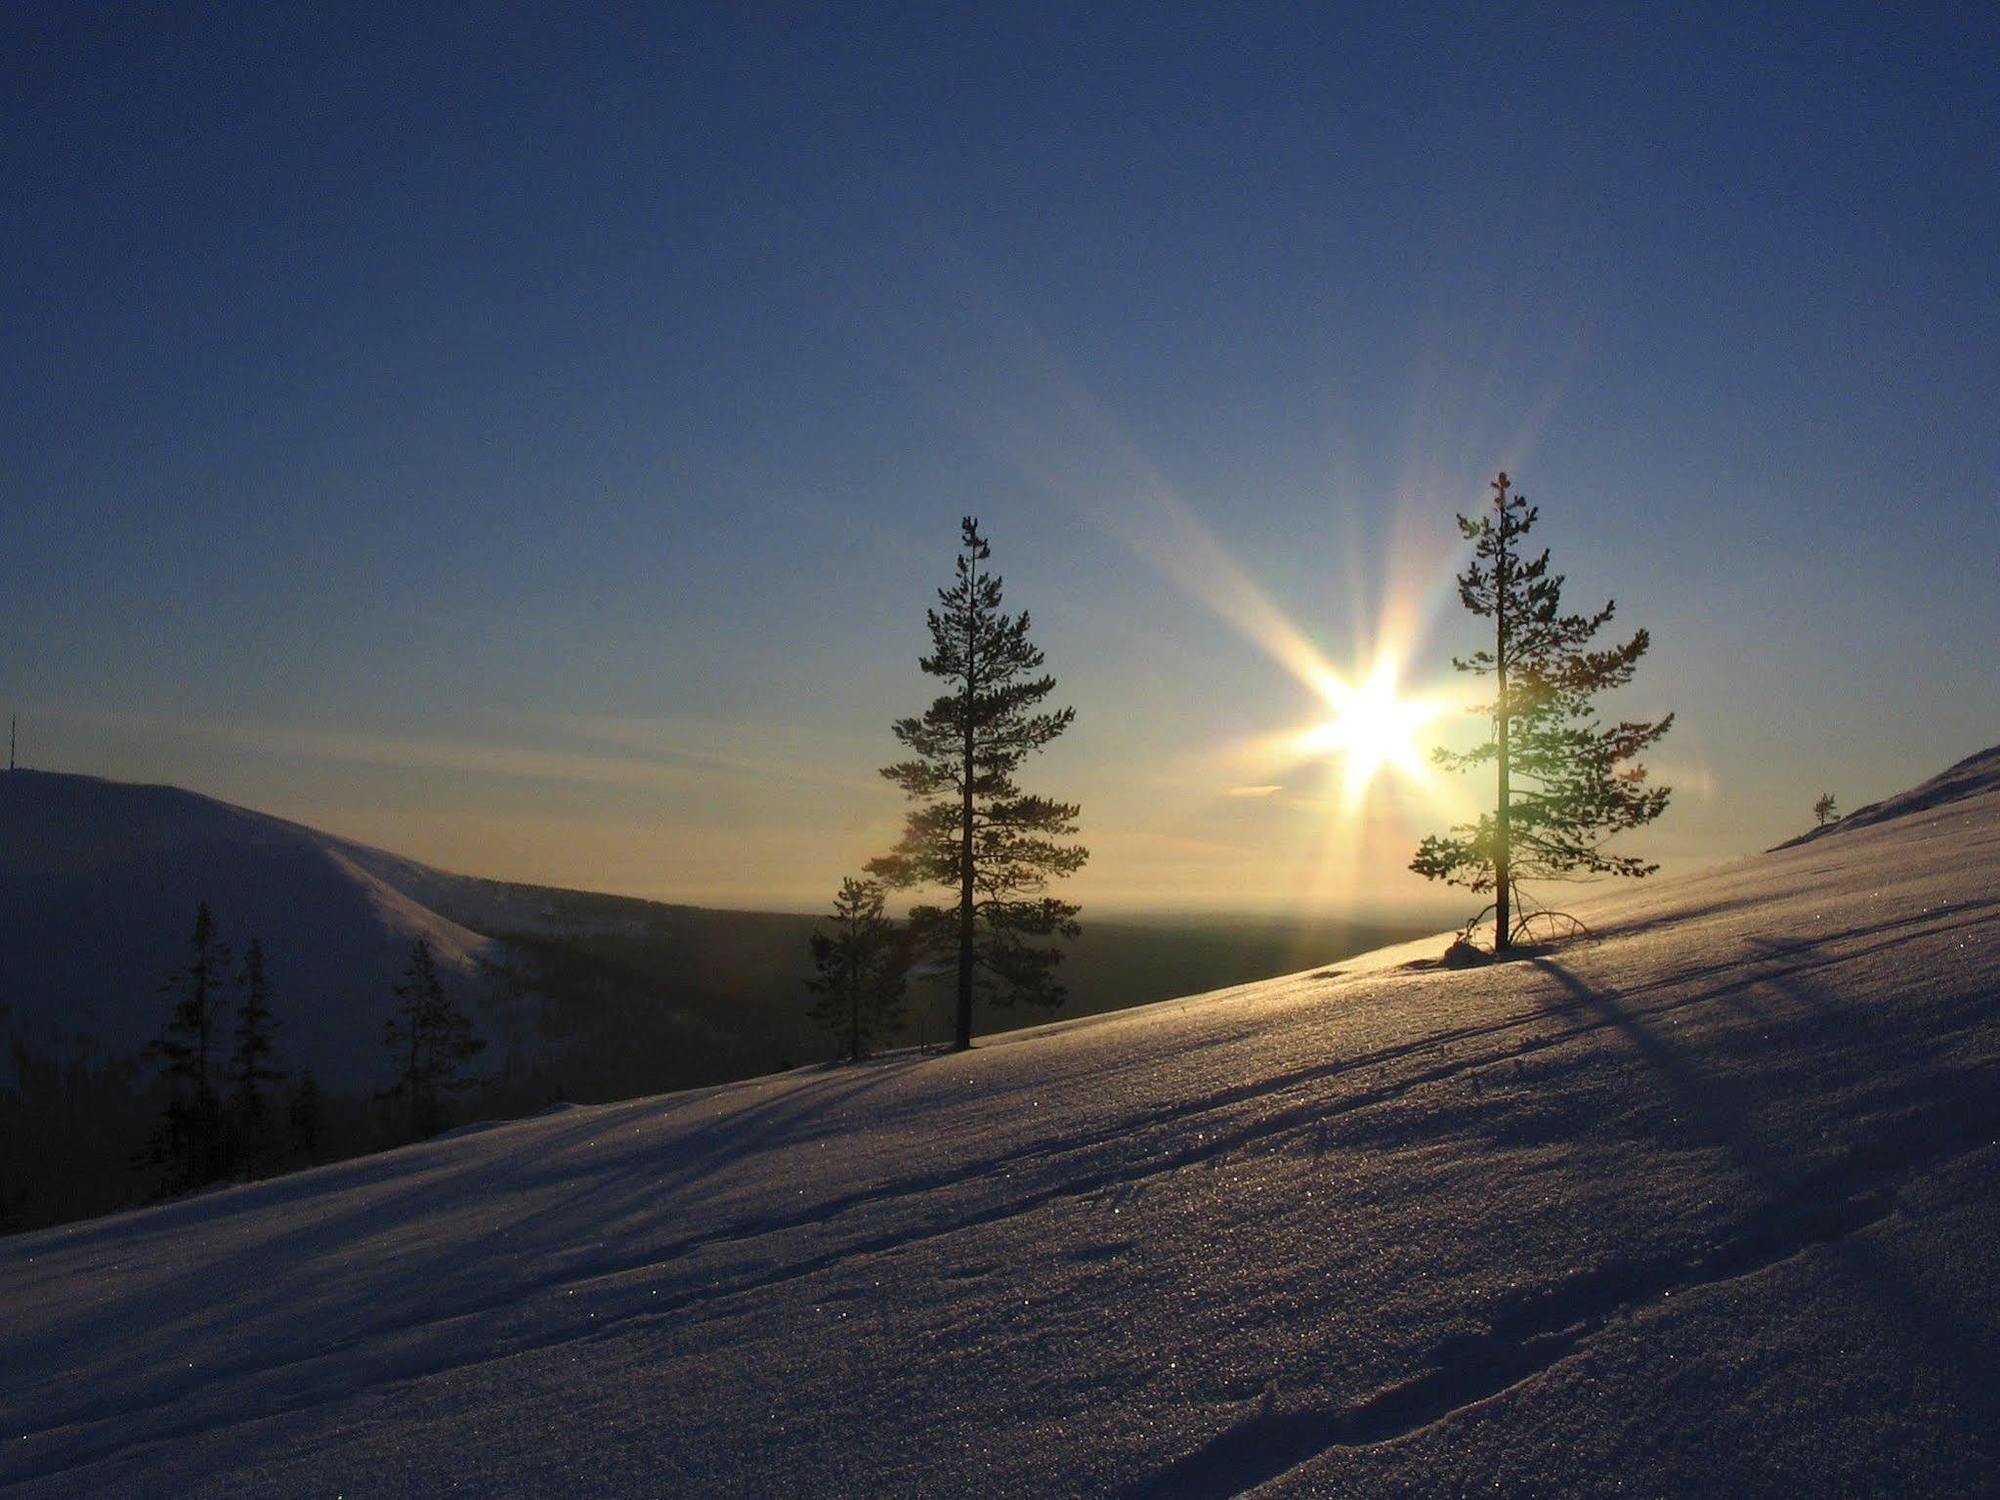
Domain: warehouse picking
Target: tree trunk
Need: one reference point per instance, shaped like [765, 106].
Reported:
[1502, 873]
[411, 1078]
[962, 1034]
[205, 1024]
[854, 1017]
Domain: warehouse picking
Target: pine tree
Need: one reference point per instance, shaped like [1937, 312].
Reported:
[430, 1037]
[189, 1141]
[860, 969]
[1824, 810]
[250, 1068]
[1565, 782]
[976, 833]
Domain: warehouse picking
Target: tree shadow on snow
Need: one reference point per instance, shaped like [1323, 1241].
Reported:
[436, 1279]
[1905, 1121]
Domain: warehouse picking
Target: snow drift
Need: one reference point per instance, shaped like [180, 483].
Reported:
[1705, 1204]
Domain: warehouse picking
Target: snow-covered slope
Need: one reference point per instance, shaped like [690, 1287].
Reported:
[99, 881]
[1971, 777]
[1704, 1205]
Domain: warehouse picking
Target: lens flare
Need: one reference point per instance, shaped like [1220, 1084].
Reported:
[1373, 728]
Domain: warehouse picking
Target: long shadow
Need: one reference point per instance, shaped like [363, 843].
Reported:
[738, 1133]
[490, 1183]
[387, 1213]
[1522, 1341]
[1811, 953]
[1907, 1127]
[785, 1112]
[1922, 1122]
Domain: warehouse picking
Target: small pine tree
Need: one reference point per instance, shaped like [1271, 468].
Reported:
[861, 970]
[189, 1142]
[1824, 811]
[1565, 782]
[430, 1038]
[250, 1069]
[976, 833]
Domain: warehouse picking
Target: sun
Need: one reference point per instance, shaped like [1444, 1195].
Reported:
[1373, 728]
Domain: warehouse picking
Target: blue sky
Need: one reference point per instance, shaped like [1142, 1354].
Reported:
[530, 440]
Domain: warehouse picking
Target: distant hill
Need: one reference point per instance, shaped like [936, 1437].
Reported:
[99, 882]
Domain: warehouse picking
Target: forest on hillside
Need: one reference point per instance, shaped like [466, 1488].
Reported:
[647, 1000]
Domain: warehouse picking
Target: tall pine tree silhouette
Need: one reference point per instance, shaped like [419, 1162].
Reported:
[250, 1067]
[188, 1142]
[974, 832]
[430, 1038]
[860, 970]
[1565, 782]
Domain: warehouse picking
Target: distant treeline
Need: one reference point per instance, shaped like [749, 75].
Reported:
[590, 1017]
[206, 1100]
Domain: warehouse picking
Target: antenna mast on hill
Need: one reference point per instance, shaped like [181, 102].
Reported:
[13, 725]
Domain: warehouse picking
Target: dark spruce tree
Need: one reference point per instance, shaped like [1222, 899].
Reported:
[974, 832]
[250, 1068]
[430, 1039]
[860, 970]
[188, 1144]
[1565, 782]
[1825, 810]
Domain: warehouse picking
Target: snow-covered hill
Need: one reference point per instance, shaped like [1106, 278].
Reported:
[1708, 1204]
[1972, 776]
[99, 881]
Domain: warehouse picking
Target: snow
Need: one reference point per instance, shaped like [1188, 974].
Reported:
[1702, 1205]
[1970, 777]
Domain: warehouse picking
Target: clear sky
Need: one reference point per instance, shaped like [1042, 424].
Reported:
[529, 439]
